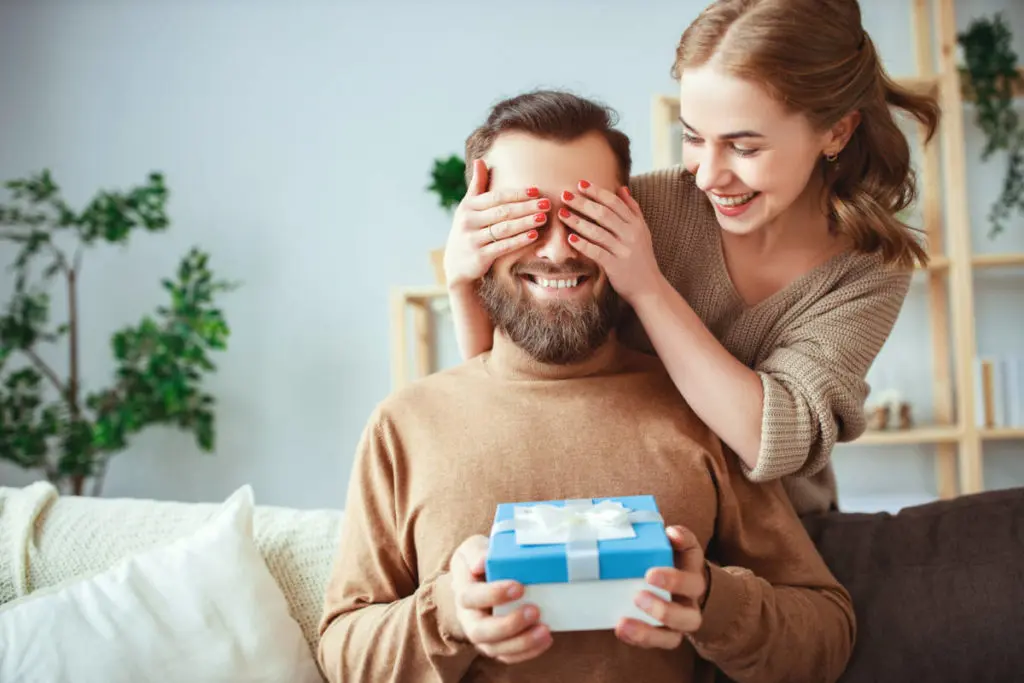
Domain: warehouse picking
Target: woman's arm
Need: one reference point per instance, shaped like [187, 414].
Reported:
[474, 332]
[784, 416]
[727, 395]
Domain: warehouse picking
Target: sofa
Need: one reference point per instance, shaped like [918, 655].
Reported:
[938, 588]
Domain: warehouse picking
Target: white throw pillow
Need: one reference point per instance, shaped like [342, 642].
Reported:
[200, 609]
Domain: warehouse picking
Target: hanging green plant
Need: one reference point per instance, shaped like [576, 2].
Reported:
[991, 66]
[448, 178]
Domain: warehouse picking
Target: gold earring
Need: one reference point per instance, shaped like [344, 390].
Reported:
[832, 157]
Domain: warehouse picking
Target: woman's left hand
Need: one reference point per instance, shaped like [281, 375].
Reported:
[609, 228]
[687, 584]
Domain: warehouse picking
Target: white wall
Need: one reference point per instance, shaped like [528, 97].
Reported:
[296, 139]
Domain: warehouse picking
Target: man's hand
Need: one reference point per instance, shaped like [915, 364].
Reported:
[687, 584]
[512, 638]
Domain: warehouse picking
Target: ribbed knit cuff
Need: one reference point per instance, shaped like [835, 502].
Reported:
[785, 435]
[441, 597]
[728, 600]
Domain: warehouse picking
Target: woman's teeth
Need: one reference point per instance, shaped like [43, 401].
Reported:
[734, 200]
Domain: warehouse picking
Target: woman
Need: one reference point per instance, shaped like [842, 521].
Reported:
[769, 269]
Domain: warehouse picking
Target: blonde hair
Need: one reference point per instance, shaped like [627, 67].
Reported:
[816, 59]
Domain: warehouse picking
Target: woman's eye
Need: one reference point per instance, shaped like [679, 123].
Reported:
[744, 152]
[690, 138]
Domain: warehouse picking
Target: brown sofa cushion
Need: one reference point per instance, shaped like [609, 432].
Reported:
[938, 588]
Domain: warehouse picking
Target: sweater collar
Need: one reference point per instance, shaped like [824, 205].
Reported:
[509, 361]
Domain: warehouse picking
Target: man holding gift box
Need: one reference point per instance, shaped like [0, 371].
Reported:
[559, 411]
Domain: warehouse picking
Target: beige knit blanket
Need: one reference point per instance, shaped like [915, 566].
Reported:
[46, 539]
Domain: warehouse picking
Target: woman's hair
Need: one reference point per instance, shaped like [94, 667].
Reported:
[551, 115]
[816, 59]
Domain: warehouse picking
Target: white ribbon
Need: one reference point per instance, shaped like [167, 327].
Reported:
[580, 524]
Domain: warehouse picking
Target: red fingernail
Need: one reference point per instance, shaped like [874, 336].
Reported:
[532, 192]
[568, 196]
[627, 191]
[532, 235]
[584, 184]
[544, 204]
[540, 218]
[563, 212]
[574, 238]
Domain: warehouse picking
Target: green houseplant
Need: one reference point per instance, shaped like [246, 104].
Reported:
[992, 73]
[50, 422]
[448, 182]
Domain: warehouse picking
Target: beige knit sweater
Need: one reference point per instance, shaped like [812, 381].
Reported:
[436, 458]
[811, 343]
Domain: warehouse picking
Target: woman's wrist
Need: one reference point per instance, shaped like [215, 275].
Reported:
[652, 296]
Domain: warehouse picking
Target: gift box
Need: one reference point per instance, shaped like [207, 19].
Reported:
[581, 561]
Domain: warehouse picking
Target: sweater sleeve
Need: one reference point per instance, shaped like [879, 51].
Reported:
[379, 622]
[814, 378]
[774, 611]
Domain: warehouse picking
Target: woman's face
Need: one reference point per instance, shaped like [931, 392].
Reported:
[753, 159]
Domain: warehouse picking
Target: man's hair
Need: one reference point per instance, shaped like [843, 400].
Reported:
[550, 115]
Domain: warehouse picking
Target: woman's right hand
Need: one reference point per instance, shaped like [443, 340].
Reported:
[488, 225]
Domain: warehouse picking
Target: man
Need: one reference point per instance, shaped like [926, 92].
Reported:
[559, 409]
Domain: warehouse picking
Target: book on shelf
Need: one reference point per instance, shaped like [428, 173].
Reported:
[999, 391]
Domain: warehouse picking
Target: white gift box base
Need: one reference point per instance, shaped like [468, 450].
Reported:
[586, 605]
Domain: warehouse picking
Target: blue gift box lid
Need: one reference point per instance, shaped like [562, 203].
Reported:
[624, 558]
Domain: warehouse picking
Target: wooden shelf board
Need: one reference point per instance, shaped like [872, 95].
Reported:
[1002, 433]
[968, 94]
[940, 263]
[422, 293]
[996, 260]
[916, 435]
[933, 435]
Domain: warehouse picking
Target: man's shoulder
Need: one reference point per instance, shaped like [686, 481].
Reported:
[429, 391]
[661, 398]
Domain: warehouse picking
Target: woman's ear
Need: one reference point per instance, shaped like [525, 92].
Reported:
[839, 135]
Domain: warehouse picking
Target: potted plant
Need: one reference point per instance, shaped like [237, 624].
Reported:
[51, 422]
[993, 81]
[448, 181]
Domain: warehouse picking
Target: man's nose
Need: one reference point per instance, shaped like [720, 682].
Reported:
[554, 241]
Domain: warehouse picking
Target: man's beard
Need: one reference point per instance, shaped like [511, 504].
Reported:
[556, 332]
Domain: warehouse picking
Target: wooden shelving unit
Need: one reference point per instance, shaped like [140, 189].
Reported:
[949, 275]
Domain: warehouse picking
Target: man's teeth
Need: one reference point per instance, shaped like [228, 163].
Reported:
[734, 200]
[557, 284]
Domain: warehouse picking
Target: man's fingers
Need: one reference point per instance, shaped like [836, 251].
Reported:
[644, 635]
[467, 564]
[686, 581]
[490, 630]
[487, 595]
[525, 645]
[686, 543]
[527, 654]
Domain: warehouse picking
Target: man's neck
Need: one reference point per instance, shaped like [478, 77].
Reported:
[510, 361]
